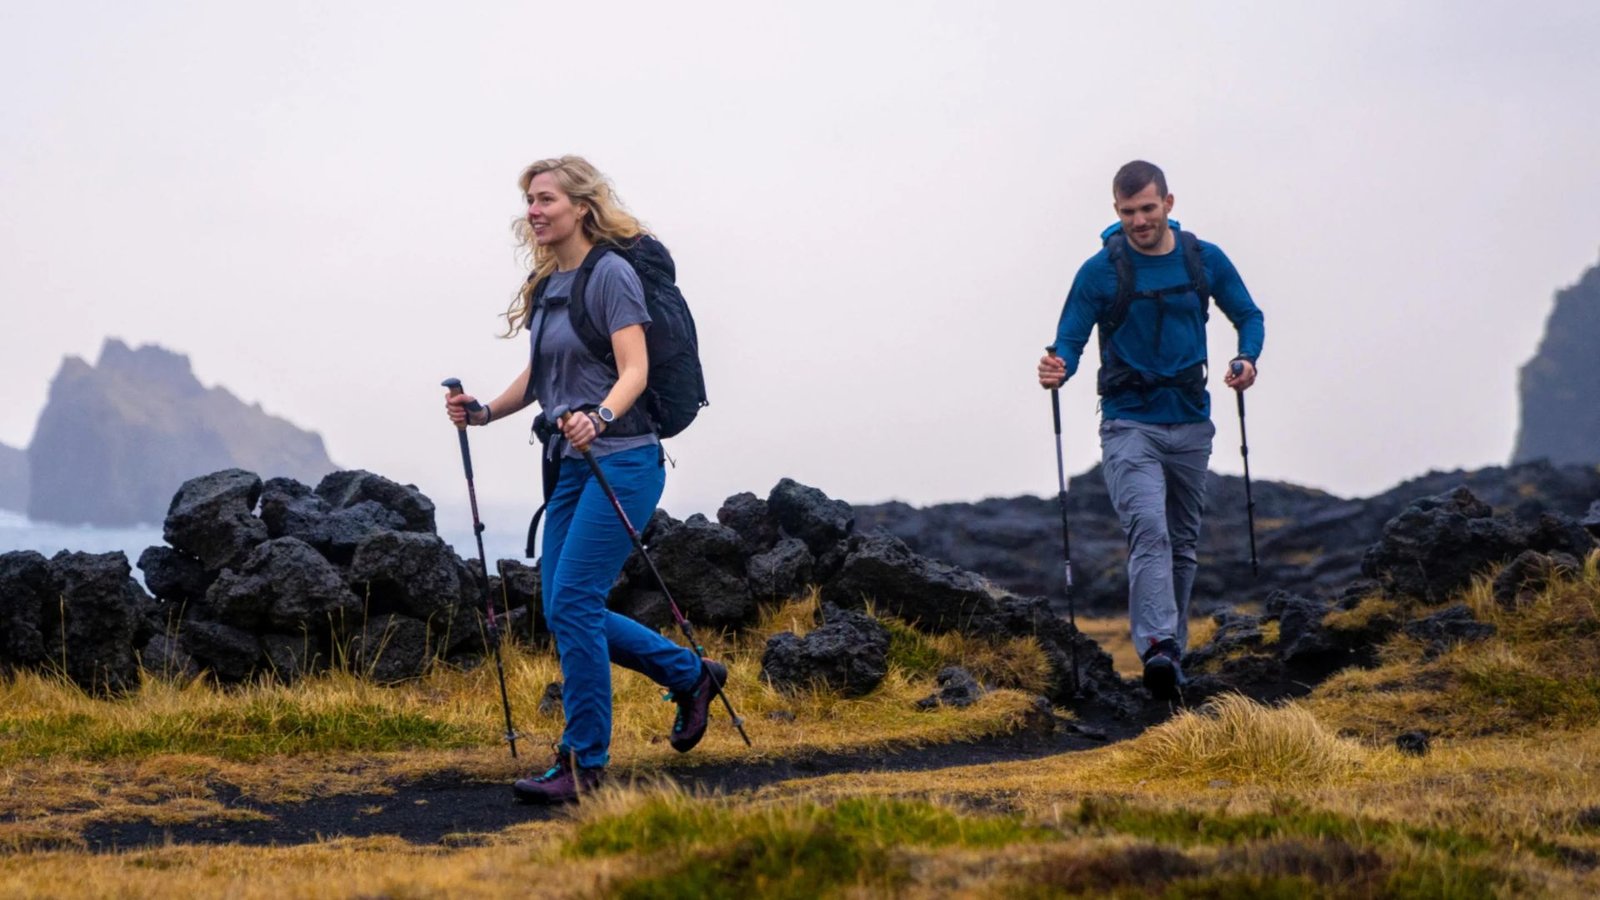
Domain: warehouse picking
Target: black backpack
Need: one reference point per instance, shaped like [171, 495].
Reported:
[676, 389]
[1116, 244]
[1117, 376]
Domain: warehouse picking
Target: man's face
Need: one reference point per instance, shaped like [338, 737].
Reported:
[1144, 219]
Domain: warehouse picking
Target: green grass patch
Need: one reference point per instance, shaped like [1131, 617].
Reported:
[710, 850]
[912, 651]
[1287, 819]
[1527, 697]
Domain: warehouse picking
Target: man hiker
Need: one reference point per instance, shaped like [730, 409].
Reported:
[1148, 290]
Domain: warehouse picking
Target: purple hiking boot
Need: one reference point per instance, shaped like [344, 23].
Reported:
[559, 784]
[694, 708]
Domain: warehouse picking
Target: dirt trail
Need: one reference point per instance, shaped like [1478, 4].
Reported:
[440, 808]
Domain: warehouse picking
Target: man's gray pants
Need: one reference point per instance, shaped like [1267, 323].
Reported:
[1157, 478]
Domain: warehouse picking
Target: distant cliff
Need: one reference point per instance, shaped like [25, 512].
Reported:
[114, 438]
[13, 479]
[1559, 387]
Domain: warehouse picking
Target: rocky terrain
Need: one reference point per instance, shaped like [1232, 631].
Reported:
[116, 436]
[1559, 386]
[1308, 542]
[278, 577]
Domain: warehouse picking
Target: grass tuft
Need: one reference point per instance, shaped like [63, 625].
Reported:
[1237, 739]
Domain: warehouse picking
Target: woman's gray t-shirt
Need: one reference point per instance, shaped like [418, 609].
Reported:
[566, 373]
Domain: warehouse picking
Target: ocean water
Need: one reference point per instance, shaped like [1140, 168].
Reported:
[18, 532]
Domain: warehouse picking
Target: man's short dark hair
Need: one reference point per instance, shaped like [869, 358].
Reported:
[1135, 176]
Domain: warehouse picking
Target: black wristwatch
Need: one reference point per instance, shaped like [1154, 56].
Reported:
[605, 415]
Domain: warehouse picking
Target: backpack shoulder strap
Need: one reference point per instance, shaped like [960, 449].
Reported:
[534, 302]
[598, 343]
[1196, 266]
[1116, 245]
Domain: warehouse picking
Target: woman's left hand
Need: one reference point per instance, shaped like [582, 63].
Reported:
[579, 430]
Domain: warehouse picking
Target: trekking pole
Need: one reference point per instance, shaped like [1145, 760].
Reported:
[677, 614]
[1244, 451]
[454, 387]
[1066, 537]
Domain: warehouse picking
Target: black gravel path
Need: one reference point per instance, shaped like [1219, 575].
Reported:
[440, 808]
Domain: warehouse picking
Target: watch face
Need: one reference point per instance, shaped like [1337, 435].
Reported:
[606, 415]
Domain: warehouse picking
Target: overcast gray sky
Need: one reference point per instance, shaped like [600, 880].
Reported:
[876, 210]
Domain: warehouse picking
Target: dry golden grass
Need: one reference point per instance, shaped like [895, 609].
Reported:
[1237, 739]
[1303, 799]
[163, 753]
[1539, 672]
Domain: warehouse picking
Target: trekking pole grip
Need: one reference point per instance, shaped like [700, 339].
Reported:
[453, 386]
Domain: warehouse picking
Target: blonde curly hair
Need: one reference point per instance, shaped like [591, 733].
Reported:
[601, 216]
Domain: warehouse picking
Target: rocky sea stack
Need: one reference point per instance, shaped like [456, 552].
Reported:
[115, 437]
[1560, 386]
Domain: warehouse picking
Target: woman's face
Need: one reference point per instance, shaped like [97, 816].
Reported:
[551, 213]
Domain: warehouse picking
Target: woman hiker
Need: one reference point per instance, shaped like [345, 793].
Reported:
[571, 209]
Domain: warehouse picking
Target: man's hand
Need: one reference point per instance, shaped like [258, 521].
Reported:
[1052, 371]
[1243, 378]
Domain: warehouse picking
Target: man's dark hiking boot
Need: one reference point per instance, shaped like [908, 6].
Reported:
[1163, 673]
[694, 707]
[559, 784]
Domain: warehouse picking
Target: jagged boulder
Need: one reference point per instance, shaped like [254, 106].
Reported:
[391, 648]
[26, 586]
[420, 577]
[781, 572]
[957, 688]
[748, 515]
[879, 569]
[810, 515]
[212, 519]
[350, 488]
[98, 621]
[231, 654]
[520, 599]
[291, 509]
[704, 567]
[1433, 549]
[164, 656]
[173, 575]
[1531, 572]
[284, 585]
[848, 653]
[1450, 626]
[1314, 639]
[290, 657]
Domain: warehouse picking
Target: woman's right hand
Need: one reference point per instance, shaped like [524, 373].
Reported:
[455, 406]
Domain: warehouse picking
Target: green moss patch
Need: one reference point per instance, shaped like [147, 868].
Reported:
[706, 849]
